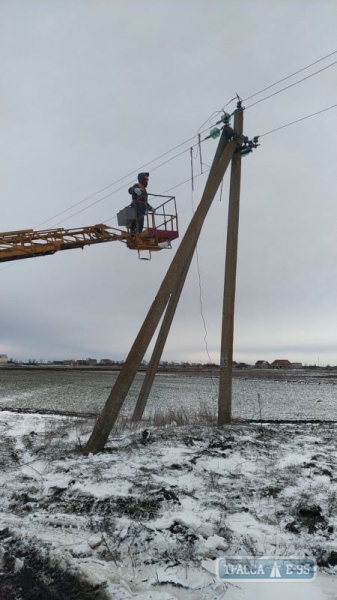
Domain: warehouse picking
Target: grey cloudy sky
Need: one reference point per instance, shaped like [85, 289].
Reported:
[94, 89]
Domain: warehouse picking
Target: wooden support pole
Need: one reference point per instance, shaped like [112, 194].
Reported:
[226, 352]
[166, 325]
[152, 367]
[110, 412]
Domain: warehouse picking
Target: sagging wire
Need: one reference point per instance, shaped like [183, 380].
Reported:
[199, 148]
[201, 310]
[221, 188]
[209, 119]
[199, 274]
[216, 112]
[192, 175]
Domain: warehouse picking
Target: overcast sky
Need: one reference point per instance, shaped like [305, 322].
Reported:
[92, 90]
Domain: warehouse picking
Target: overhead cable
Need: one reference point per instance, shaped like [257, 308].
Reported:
[118, 181]
[288, 76]
[122, 187]
[192, 178]
[257, 102]
[292, 85]
[169, 189]
[298, 120]
[199, 279]
[179, 145]
[262, 135]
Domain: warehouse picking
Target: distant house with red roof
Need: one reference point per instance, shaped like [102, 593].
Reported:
[281, 364]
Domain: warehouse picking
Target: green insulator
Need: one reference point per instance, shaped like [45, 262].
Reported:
[245, 151]
[214, 133]
[226, 117]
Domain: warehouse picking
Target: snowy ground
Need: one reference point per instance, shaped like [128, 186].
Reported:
[147, 518]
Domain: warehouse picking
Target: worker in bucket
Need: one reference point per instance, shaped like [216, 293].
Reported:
[139, 202]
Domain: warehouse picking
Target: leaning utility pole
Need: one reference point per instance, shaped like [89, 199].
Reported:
[226, 352]
[152, 367]
[114, 403]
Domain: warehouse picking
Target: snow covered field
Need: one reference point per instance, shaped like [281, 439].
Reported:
[146, 518]
[308, 396]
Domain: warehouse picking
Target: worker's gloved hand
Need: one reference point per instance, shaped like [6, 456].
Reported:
[138, 191]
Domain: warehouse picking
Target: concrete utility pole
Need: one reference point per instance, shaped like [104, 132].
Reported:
[114, 403]
[152, 367]
[226, 353]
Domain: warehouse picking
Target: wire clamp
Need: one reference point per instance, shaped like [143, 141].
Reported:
[248, 146]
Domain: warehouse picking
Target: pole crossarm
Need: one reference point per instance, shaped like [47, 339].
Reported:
[27, 243]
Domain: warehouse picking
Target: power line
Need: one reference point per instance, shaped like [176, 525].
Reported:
[298, 120]
[168, 190]
[199, 272]
[130, 183]
[288, 76]
[262, 135]
[115, 182]
[123, 186]
[179, 145]
[195, 176]
[183, 152]
[216, 112]
[200, 174]
[292, 85]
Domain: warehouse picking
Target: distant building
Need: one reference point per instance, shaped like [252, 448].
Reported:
[262, 364]
[296, 366]
[106, 361]
[92, 361]
[3, 359]
[281, 364]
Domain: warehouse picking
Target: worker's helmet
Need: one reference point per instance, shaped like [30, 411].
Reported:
[143, 178]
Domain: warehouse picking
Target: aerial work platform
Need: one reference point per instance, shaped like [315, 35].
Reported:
[160, 229]
[160, 226]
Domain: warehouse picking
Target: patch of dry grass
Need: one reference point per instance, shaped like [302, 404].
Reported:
[178, 417]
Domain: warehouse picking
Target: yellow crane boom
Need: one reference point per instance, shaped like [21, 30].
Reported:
[27, 243]
[160, 229]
